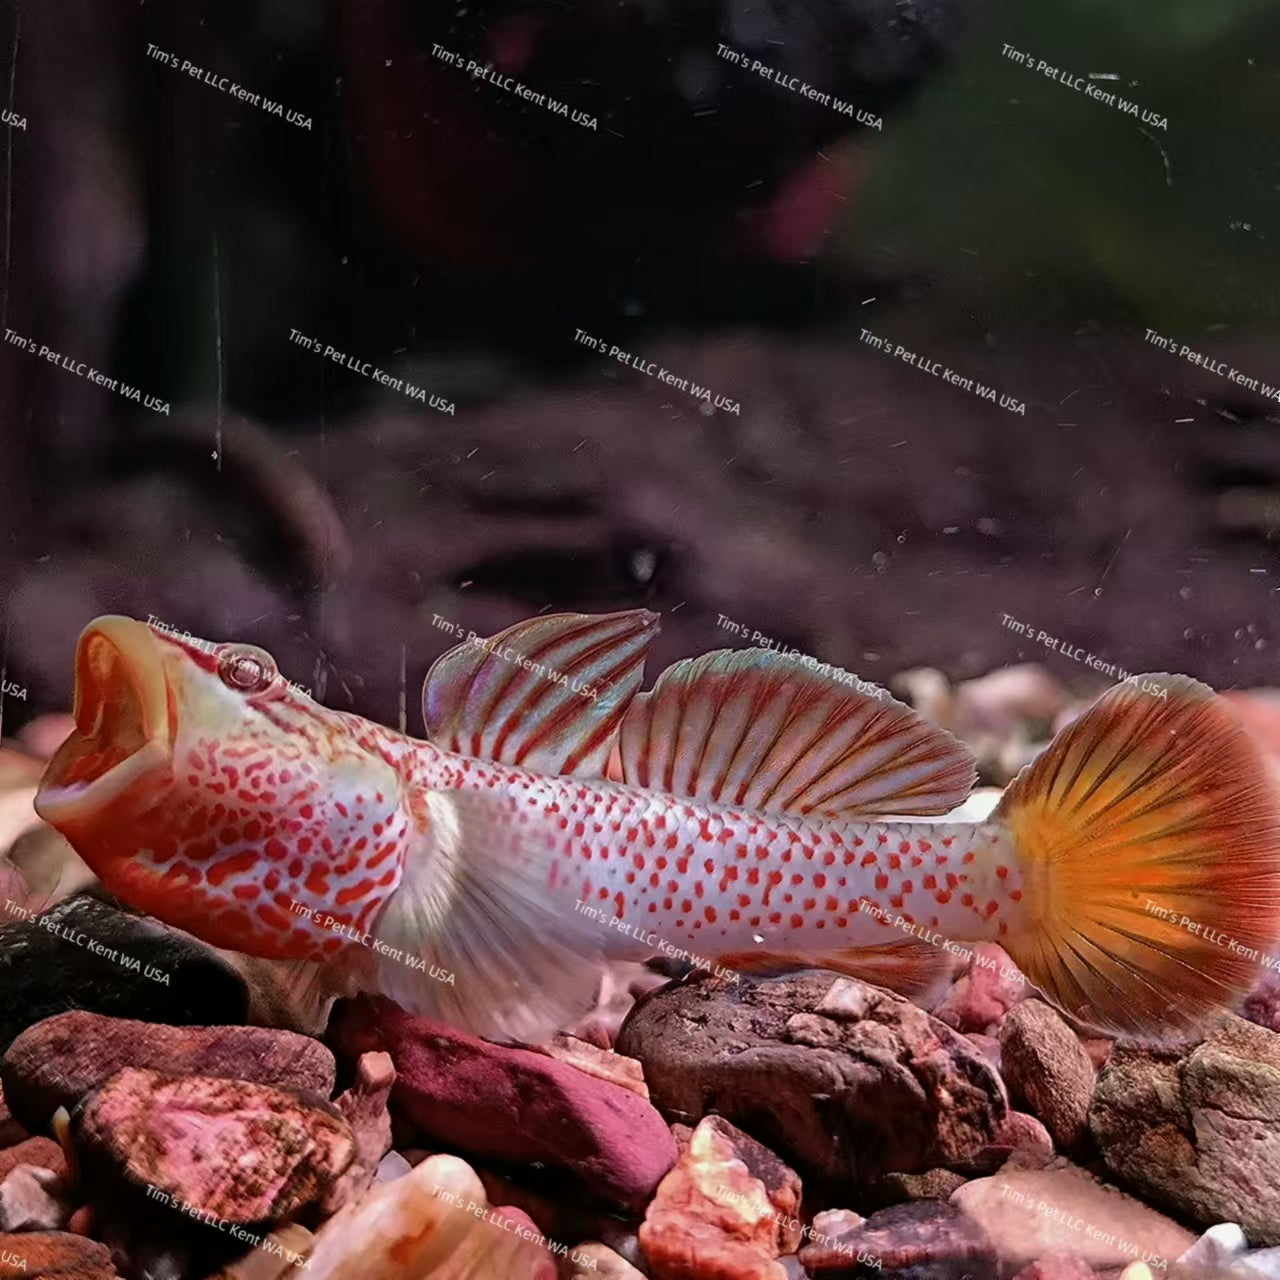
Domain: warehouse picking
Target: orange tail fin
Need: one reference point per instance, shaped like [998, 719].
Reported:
[1149, 839]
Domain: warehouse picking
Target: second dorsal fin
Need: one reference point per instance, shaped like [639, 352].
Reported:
[760, 730]
[546, 694]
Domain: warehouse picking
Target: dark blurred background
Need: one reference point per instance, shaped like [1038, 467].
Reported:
[457, 236]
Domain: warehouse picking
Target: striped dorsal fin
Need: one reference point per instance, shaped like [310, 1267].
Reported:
[760, 730]
[547, 694]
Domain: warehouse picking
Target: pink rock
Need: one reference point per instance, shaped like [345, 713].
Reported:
[727, 1210]
[365, 1107]
[988, 1046]
[31, 1199]
[45, 734]
[1058, 1265]
[604, 1064]
[1099, 1051]
[513, 1106]
[242, 1153]
[981, 998]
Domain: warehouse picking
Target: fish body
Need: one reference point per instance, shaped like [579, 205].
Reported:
[745, 809]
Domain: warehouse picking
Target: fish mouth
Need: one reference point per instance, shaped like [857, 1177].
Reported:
[124, 722]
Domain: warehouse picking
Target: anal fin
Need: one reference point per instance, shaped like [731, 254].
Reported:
[914, 969]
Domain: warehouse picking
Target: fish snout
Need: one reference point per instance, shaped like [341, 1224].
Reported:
[124, 724]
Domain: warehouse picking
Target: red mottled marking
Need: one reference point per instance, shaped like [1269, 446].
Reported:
[1016, 895]
[969, 857]
[246, 892]
[869, 859]
[671, 841]
[908, 887]
[819, 881]
[895, 862]
[930, 882]
[353, 893]
[943, 897]
[218, 873]
[882, 881]
[317, 880]
[966, 899]
[619, 904]
[1002, 872]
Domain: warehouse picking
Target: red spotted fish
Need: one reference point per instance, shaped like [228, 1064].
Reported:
[747, 809]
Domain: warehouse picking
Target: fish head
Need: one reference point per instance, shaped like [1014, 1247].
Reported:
[202, 787]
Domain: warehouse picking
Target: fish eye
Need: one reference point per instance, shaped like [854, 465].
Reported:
[246, 668]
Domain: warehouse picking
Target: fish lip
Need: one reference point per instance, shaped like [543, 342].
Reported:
[124, 726]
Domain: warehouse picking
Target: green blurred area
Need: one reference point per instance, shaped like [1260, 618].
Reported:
[1027, 205]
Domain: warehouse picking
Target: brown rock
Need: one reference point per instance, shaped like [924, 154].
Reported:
[241, 1153]
[1059, 1265]
[727, 1210]
[365, 1107]
[56, 1062]
[845, 1080]
[926, 1238]
[32, 1199]
[41, 1152]
[1047, 1067]
[1197, 1131]
[11, 1132]
[604, 1064]
[936, 1184]
[1099, 1051]
[1031, 1212]
[1019, 1135]
[54, 1255]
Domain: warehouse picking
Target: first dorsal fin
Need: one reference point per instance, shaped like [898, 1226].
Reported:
[546, 694]
[760, 730]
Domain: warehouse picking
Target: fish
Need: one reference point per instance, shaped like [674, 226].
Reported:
[752, 808]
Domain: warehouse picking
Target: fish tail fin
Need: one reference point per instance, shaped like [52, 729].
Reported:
[1148, 837]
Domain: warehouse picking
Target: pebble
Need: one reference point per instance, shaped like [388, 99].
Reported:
[32, 1199]
[513, 1106]
[242, 1153]
[55, 1063]
[83, 953]
[796, 1059]
[1046, 1066]
[729, 1207]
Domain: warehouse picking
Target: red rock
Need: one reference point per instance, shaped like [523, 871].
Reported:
[41, 1152]
[54, 1255]
[725, 1212]
[513, 1106]
[1046, 1067]
[924, 1238]
[365, 1107]
[1058, 1265]
[980, 999]
[793, 1059]
[242, 1153]
[56, 1062]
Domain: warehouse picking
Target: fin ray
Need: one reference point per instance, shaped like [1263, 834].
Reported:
[1149, 841]
[473, 936]
[521, 697]
[760, 730]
